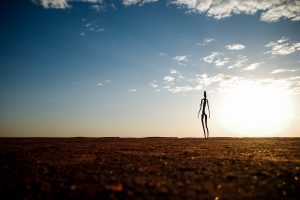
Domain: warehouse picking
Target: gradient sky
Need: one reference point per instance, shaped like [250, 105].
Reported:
[137, 68]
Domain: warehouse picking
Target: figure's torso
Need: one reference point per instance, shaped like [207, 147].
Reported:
[203, 105]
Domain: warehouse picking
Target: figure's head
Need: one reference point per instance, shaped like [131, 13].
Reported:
[205, 94]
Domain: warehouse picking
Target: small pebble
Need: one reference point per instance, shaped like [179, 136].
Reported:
[115, 187]
[73, 187]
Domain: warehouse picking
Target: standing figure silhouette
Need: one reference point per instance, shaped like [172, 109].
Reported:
[204, 101]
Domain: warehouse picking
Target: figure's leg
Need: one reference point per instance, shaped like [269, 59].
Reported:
[207, 132]
[202, 116]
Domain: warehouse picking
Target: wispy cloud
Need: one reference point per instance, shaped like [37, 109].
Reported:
[132, 90]
[92, 26]
[221, 83]
[205, 41]
[271, 11]
[281, 70]
[252, 66]
[76, 83]
[114, 7]
[154, 85]
[186, 88]
[163, 54]
[200, 81]
[169, 78]
[181, 59]
[137, 2]
[239, 62]
[211, 57]
[173, 71]
[98, 7]
[216, 58]
[64, 4]
[176, 75]
[282, 47]
[235, 46]
[221, 62]
[104, 83]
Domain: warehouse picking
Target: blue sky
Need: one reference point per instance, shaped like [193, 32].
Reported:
[138, 68]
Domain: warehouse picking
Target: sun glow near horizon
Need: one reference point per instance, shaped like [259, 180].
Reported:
[256, 110]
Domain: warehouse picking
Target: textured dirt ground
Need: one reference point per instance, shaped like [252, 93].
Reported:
[149, 168]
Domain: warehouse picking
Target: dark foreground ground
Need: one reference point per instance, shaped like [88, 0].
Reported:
[149, 168]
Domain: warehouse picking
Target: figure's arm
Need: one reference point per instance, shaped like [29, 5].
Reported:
[200, 108]
[208, 109]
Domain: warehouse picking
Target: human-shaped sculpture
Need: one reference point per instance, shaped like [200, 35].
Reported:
[204, 101]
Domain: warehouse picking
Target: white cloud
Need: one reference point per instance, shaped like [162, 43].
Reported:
[92, 26]
[63, 4]
[153, 85]
[173, 71]
[205, 41]
[204, 80]
[163, 54]
[104, 83]
[89, 1]
[221, 62]
[271, 10]
[281, 70]
[113, 6]
[132, 90]
[211, 57]
[181, 59]
[235, 46]
[138, 2]
[282, 47]
[100, 30]
[98, 7]
[216, 58]
[287, 9]
[239, 62]
[186, 88]
[82, 33]
[199, 82]
[169, 78]
[251, 67]
[221, 83]
[59, 4]
[180, 76]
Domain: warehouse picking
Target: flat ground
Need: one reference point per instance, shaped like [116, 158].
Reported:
[150, 168]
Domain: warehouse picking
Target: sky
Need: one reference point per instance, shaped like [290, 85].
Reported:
[138, 68]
